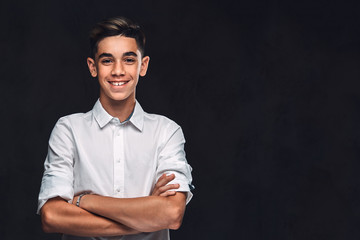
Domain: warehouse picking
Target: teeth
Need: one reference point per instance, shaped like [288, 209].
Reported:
[117, 83]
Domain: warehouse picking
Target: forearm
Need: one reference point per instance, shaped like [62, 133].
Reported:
[145, 214]
[59, 216]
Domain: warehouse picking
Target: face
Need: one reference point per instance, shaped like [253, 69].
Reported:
[117, 65]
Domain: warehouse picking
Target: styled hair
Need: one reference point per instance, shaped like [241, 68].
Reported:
[114, 27]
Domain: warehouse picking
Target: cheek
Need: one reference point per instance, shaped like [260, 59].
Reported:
[102, 73]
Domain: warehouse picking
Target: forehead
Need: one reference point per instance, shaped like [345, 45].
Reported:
[117, 45]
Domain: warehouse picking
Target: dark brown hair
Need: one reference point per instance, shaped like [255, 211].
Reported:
[114, 27]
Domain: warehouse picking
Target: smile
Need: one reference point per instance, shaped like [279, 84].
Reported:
[118, 83]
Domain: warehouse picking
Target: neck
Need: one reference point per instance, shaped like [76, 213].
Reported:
[119, 109]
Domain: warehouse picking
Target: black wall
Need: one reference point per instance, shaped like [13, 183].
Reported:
[267, 93]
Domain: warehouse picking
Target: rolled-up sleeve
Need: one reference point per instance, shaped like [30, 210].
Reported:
[58, 175]
[172, 160]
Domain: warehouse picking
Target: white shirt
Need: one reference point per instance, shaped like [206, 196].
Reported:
[94, 152]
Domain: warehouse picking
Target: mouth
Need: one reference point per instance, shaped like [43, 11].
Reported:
[118, 83]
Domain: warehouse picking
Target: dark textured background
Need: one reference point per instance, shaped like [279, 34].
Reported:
[267, 93]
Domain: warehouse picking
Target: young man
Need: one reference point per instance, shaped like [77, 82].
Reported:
[115, 170]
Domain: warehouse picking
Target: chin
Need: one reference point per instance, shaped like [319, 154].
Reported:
[120, 98]
[117, 97]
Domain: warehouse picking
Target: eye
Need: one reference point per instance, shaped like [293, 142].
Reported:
[106, 61]
[130, 60]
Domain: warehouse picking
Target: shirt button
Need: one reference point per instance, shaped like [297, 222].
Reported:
[118, 160]
[118, 189]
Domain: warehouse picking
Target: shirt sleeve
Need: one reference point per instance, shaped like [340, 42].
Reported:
[58, 175]
[172, 160]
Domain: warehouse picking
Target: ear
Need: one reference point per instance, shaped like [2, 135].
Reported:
[144, 65]
[92, 66]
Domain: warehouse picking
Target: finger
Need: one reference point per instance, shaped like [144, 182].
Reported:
[172, 186]
[161, 178]
[168, 187]
[160, 181]
[168, 193]
[163, 189]
[167, 179]
[164, 179]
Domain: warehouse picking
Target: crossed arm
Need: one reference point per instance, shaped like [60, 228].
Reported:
[106, 216]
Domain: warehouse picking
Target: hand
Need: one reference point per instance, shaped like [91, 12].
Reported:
[161, 189]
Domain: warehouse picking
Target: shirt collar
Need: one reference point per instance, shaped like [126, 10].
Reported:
[137, 119]
[102, 117]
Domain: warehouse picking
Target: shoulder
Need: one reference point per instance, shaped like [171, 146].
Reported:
[161, 121]
[70, 122]
[165, 128]
[75, 118]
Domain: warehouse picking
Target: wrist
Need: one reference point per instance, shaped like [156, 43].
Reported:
[80, 198]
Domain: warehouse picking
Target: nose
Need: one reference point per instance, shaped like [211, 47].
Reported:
[118, 69]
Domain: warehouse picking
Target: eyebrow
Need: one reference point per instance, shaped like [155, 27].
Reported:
[126, 54]
[129, 54]
[105, 55]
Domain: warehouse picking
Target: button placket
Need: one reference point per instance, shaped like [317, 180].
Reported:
[121, 163]
[117, 162]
